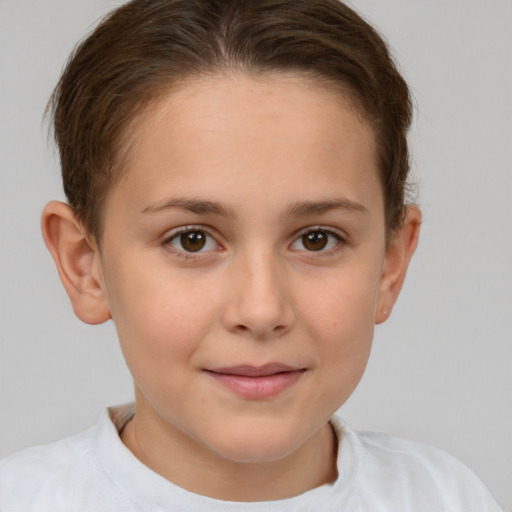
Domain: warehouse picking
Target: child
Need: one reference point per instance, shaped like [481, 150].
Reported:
[235, 172]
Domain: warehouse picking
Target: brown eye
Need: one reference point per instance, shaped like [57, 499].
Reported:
[193, 241]
[315, 240]
[318, 240]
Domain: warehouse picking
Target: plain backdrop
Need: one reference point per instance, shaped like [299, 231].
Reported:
[441, 370]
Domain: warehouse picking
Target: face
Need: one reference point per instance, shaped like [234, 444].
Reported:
[242, 260]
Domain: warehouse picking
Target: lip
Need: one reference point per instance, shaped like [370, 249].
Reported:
[257, 382]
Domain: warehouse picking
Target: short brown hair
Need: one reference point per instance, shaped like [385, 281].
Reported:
[143, 48]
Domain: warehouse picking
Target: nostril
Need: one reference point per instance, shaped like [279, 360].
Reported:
[276, 330]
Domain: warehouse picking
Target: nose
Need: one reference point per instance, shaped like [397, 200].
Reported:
[259, 301]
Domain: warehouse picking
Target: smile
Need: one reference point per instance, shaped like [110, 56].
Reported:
[257, 383]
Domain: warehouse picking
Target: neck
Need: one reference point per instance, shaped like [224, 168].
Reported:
[191, 466]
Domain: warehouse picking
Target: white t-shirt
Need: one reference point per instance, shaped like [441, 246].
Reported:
[94, 471]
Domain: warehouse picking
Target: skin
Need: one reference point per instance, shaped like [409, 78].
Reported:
[276, 157]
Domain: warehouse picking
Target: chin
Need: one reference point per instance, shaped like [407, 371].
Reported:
[251, 452]
[253, 444]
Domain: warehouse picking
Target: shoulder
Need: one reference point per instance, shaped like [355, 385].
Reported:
[69, 475]
[27, 475]
[415, 475]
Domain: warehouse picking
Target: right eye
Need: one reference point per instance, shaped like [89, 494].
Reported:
[192, 240]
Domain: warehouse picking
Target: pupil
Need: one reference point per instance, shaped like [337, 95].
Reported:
[193, 241]
[314, 241]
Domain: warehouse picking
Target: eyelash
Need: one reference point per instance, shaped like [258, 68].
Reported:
[340, 240]
[183, 231]
[183, 253]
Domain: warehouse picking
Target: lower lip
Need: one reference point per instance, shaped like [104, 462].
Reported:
[258, 388]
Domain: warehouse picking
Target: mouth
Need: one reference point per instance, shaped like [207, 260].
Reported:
[257, 382]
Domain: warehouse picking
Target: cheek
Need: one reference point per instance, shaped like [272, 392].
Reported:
[161, 317]
[341, 307]
[345, 332]
[339, 316]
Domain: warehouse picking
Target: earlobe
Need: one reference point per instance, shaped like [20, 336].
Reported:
[78, 263]
[398, 255]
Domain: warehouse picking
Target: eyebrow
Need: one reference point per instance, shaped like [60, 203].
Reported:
[297, 209]
[305, 208]
[198, 206]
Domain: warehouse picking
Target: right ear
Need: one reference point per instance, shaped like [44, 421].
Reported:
[78, 262]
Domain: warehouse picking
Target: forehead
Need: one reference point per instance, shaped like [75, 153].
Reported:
[287, 134]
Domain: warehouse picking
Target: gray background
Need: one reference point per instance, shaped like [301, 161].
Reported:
[441, 367]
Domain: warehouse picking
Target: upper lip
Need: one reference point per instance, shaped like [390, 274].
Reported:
[256, 371]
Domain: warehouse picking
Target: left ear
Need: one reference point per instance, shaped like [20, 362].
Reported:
[398, 255]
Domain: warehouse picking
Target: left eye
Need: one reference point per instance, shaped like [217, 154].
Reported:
[316, 240]
[193, 240]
